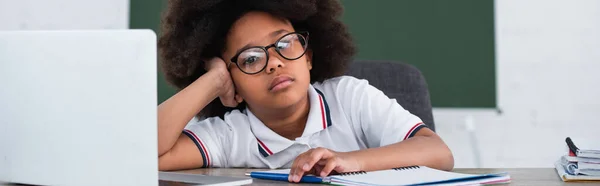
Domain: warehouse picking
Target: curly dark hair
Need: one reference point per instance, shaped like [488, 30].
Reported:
[193, 30]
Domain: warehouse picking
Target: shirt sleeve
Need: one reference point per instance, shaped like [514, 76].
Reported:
[212, 136]
[382, 120]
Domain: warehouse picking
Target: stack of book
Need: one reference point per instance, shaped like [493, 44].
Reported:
[582, 162]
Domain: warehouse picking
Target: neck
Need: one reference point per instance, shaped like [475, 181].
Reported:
[287, 122]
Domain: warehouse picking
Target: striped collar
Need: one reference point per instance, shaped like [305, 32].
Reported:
[319, 118]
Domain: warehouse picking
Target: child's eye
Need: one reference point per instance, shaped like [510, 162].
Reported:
[250, 60]
[251, 56]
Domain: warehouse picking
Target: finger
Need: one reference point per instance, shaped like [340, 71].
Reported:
[228, 99]
[326, 155]
[228, 102]
[299, 169]
[306, 164]
[322, 163]
[213, 63]
[293, 170]
[302, 165]
[231, 93]
[317, 169]
[238, 98]
[332, 163]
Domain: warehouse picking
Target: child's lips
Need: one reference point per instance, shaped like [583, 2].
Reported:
[280, 82]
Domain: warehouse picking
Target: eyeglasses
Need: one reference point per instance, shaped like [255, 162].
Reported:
[253, 60]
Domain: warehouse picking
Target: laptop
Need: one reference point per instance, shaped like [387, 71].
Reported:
[80, 108]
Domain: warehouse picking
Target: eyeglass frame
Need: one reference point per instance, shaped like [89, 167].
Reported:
[266, 50]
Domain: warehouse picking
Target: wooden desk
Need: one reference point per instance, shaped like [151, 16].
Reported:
[533, 176]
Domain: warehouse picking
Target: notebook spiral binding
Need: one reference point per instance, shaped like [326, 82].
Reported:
[364, 172]
[353, 173]
[406, 168]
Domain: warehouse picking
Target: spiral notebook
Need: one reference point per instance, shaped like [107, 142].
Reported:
[566, 176]
[411, 175]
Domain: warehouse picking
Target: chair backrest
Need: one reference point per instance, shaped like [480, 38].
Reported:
[400, 81]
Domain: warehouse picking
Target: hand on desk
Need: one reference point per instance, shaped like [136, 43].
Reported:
[321, 162]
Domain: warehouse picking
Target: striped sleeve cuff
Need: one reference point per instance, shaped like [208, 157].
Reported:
[414, 130]
[201, 147]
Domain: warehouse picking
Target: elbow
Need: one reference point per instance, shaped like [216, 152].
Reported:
[162, 163]
[439, 156]
[445, 158]
[442, 160]
[162, 168]
[447, 161]
[164, 147]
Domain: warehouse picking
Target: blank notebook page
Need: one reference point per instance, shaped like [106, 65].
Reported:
[402, 176]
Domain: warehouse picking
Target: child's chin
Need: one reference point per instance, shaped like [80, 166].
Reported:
[286, 100]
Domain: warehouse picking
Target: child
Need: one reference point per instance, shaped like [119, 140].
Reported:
[265, 75]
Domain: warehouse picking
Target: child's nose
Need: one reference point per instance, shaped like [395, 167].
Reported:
[275, 61]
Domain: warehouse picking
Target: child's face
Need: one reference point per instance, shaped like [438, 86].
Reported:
[260, 89]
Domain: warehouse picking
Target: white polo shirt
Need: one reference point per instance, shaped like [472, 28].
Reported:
[346, 114]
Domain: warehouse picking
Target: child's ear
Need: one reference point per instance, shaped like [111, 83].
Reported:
[309, 59]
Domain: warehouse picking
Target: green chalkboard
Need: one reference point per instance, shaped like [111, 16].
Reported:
[147, 14]
[451, 42]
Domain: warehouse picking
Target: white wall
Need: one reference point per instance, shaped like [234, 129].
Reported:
[548, 83]
[63, 14]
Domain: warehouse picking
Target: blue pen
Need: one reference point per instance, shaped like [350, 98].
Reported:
[283, 177]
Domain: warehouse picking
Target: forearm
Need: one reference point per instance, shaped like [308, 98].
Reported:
[426, 149]
[177, 111]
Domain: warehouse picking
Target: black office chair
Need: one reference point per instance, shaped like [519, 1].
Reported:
[400, 81]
